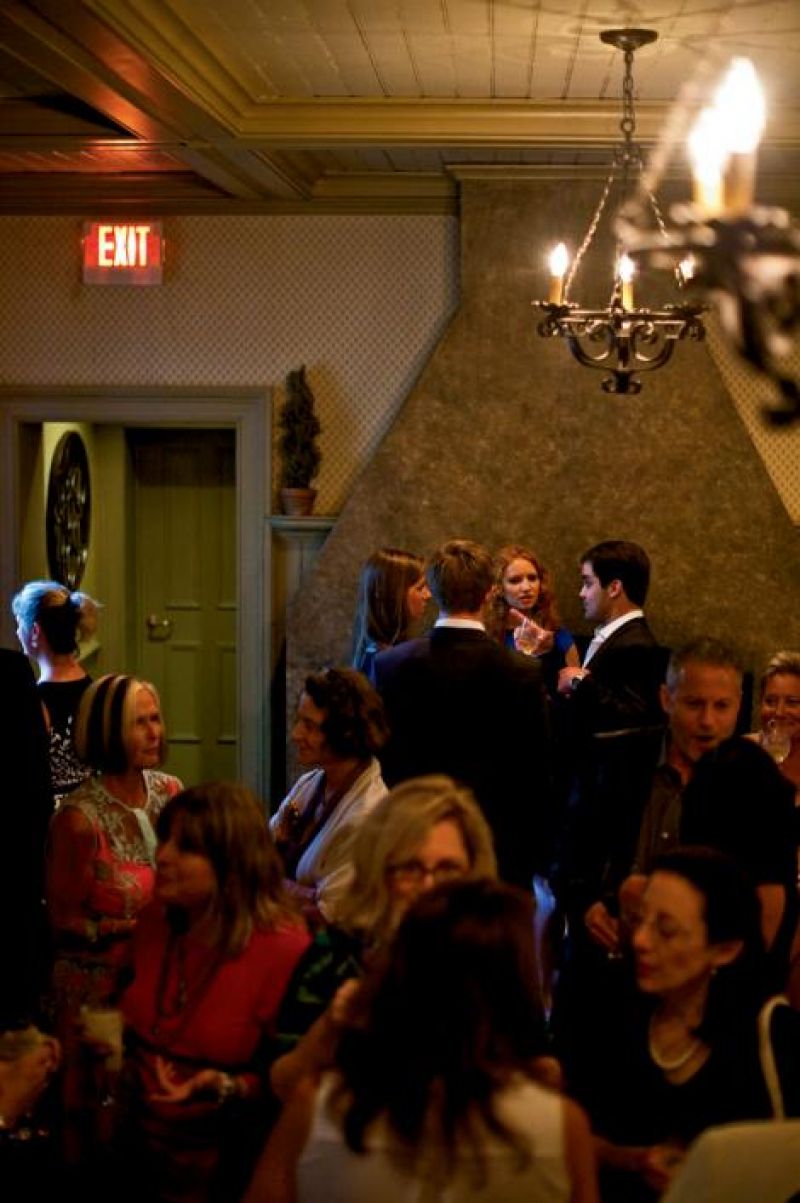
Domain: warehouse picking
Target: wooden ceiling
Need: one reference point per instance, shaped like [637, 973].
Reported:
[360, 105]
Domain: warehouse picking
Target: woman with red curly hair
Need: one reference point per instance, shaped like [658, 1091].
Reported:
[523, 613]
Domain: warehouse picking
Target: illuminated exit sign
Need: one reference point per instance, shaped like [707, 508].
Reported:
[123, 253]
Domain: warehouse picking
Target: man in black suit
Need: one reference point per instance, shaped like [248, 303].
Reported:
[28, 806]
[618, 684]
[459, 703]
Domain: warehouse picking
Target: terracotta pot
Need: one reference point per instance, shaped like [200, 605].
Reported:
[298, 503]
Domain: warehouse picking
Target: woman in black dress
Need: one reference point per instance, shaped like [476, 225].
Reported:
[50, 623]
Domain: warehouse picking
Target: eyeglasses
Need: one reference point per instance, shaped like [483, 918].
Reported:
[413, 872]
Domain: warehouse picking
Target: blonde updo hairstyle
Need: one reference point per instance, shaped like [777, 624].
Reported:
[63, 617]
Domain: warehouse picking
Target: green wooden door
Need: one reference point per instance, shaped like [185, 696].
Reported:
[184, 502]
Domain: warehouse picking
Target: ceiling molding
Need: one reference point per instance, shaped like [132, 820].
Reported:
[464, 123]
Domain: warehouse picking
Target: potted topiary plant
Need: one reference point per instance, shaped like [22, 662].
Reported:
[297, 445]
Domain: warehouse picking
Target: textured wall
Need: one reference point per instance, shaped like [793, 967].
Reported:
[505, 438]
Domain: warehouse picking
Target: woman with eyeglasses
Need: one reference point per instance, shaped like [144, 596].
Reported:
[424, 832]
[691, 1050]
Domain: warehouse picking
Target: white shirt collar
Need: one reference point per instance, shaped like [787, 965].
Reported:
[464, 624]
[608, 628]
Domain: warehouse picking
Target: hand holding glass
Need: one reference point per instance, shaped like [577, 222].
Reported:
[775, 740]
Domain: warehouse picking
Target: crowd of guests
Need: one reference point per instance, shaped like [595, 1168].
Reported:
[525, 927]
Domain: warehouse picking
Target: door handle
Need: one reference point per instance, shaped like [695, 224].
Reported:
[158, 629]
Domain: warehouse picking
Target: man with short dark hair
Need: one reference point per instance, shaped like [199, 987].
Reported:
[617, 685]
[691, 782]
[653, 792]
[459, 703]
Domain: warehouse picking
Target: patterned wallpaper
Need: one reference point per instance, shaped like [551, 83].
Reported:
[361, 301]
[779, 448]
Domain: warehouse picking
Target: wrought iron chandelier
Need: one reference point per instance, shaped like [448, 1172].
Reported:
[746, 256]
[621, 339]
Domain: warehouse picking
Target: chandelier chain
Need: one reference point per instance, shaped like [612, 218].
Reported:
[588, 236]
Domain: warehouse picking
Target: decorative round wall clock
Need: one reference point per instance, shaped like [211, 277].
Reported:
[68, 511]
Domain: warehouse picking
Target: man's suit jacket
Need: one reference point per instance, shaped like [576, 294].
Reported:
[622, 689]
[460, 704]
[28, 805]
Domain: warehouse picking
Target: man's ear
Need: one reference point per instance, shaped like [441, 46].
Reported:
[614, 588]
[726, 952]
[666, 698]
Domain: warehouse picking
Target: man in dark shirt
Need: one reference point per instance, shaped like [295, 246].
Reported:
[696, 784]
[691, 782]
[459, 703]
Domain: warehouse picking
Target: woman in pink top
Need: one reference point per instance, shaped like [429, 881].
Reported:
[101, 850]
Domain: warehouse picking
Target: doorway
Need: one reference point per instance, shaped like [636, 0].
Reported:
[243, 415]
[183, 528]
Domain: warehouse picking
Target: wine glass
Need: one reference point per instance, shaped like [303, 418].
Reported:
[531, 639]
[775, 740]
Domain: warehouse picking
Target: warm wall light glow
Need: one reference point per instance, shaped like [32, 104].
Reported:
[625, 271]
[558, 262]
[708, 153]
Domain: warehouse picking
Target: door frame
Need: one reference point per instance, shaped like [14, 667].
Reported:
[246, 411]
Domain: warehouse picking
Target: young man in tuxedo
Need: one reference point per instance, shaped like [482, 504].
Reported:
[618, 684]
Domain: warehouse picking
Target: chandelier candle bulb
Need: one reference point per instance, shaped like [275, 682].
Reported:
[742, 111]
[708, 153]
[686, 269]
[625, 271]
[558, 262]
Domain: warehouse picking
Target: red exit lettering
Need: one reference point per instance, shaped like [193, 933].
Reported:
[129, 253]
[122, 246]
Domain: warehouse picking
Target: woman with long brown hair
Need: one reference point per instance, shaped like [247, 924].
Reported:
[392, 595]
[212, 958]
[435, 1091]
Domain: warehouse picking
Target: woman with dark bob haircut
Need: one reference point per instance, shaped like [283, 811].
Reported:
[212, 957]
[435, 1091]
[687, 1055]
[339, 728]
[101, 850]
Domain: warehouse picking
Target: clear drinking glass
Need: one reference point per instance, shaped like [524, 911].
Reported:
[775, 740]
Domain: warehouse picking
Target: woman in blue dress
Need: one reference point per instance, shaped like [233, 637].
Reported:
[523, 613]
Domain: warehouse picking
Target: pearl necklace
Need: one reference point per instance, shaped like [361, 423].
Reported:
[677, 1062]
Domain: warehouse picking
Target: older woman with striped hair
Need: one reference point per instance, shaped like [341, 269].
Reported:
[101, 849]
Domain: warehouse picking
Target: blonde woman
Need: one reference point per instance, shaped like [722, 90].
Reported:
[426, 831]
[50, 622]
[101, 849]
